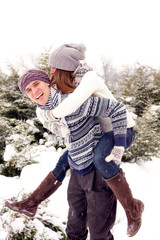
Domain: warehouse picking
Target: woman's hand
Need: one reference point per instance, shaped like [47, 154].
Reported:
[115, 155]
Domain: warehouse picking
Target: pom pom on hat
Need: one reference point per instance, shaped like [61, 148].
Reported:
[81, 47]
[67, 57]
[30, 76]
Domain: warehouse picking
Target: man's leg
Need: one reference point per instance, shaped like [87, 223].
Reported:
[101, 209]
[77, 216]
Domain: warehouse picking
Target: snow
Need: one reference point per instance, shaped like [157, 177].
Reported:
[143, 178]
[9, 152]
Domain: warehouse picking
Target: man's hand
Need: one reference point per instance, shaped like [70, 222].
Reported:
[51, 123]
[48, 116]
[56, 128]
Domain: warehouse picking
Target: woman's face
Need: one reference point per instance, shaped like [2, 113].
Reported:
[38, 91]
[52, 71]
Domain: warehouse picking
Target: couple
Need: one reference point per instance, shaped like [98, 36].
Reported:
[76, 105]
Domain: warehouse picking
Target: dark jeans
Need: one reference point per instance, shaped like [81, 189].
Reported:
[102, 150]
[91, 204]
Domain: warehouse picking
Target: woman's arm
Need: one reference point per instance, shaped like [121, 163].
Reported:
[89, 84]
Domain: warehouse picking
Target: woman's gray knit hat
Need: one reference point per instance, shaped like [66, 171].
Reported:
[67, 57]
[30, 76]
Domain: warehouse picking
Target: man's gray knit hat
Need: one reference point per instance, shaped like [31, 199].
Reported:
[67, 57]
[30, 76]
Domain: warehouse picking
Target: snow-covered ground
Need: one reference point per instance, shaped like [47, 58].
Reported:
[143, 178]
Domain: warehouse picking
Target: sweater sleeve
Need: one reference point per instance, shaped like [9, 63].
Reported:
[116, 111]
[39, 115]
[88, 85]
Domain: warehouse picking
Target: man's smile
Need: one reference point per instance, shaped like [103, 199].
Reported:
[41, 94]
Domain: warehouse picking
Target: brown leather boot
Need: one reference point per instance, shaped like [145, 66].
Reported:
[29, 205]
[133, 207]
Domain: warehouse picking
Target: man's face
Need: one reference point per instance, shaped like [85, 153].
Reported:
[38, 91]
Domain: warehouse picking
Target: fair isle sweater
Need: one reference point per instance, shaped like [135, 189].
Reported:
[84, 130]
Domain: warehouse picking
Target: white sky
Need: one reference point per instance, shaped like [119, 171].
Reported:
[124, 31]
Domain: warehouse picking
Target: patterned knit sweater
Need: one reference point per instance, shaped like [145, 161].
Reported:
[84, 130]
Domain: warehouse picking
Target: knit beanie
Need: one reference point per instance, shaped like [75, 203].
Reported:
[30, 76]
[67, 57]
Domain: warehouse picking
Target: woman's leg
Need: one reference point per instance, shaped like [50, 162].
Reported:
[132, 207]
[103, 149]
[47, 187]
[115, 179]
[61, 168]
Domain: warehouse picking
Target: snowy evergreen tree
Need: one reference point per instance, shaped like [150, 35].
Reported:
[141, 94]
[42, 61]
[147, 139]
[141, 84]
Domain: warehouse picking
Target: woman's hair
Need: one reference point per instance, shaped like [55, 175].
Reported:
[62, 81]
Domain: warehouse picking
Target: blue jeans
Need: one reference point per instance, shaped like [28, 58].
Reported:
[102, 150]
[61, 168]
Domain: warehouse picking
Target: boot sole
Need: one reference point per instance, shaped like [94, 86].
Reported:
[13, 208]
[133, 234]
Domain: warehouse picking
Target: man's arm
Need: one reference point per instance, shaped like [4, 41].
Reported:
[116, 111]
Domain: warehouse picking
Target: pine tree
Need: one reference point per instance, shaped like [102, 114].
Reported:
[42, 62]
[141, 93]
[139, 84]
[147, 138]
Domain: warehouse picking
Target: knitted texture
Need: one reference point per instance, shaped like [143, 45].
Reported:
[67, 57]
[80, 72]
[31, 76]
